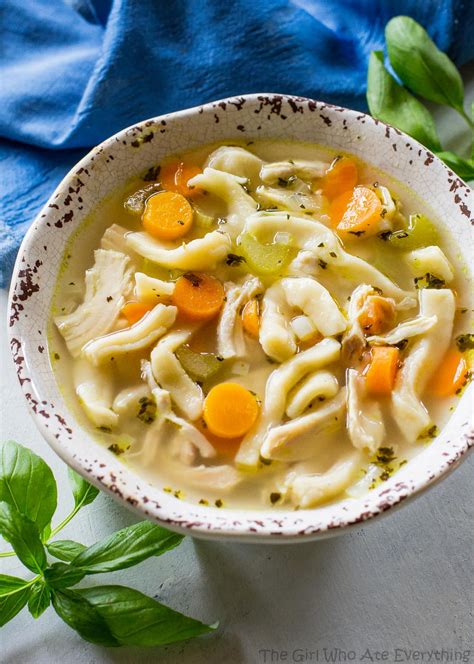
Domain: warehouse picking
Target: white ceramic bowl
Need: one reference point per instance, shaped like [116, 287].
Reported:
[137, 148]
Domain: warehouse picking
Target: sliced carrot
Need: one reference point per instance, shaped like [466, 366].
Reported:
[362, 214]
[251, 318]
[338, 207]
[230, 410]
[174, 176]
[198, 296]
[378, 315]
[225, 446]
[167, 216]
[341, 176]
[134, 311]
[450, 375]
[383, 367]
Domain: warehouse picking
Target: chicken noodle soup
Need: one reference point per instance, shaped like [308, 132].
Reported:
[262, 324]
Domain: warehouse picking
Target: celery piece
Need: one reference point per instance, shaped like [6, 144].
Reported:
[263, 258]
[135, 203]
[202, 220]
[420, 233]
[198, 365]
[154, 270]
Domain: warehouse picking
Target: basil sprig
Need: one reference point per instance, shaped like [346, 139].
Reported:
[109, 615]
[428, 73]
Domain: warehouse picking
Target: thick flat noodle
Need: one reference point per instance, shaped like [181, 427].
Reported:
[221, 479]
[170, 375]
[280, 382]
[108, 283]
[432, 260]
[316, 302]
[199, 254]
[422, 361]
[236, 161]
[307, 233]
[229, 188]
[311, 490]
[127, 400]
[230, 337]
[150, 290]
[287, 441]
[405, 330]
[365, 423]
[326, 249]
[289, 200]
[276, 336]
[94, 387]
[306, 170]
[317, 386]
[140, 335]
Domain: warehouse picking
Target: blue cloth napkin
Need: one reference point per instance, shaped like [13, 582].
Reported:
[72, 72]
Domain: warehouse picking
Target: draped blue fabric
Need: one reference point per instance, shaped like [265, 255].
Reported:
[72, 72]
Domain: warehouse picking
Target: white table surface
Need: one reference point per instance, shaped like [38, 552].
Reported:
[401, 584]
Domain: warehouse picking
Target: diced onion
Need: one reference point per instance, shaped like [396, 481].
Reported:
[302, 327]
[282, 238]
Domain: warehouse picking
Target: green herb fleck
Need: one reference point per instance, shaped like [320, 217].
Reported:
[147, 410]
[234, 259]
[429, 280]
[275, 497]
[401, 345]
[116, 449]
[465, 342]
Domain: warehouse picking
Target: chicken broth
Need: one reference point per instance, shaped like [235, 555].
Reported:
[262, 324]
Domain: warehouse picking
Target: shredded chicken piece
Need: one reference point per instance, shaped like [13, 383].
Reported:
[230, 337]
[311, 490]
[364, 417]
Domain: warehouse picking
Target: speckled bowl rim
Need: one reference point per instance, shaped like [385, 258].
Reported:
[101, 467]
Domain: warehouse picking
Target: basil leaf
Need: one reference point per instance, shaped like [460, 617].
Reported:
[462, 167]
[61, 575]
[420, 64]
[81, 615]
[24, 537]
[135, 619]
[27, 483]
[10, 605]
[40, 599]
[390, 102]
[10, 584]
[126, 547]
[83, 492]
[65, 549]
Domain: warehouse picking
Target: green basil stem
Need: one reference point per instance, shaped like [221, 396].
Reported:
[466, 117]
[65, 521]
[55, 531]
